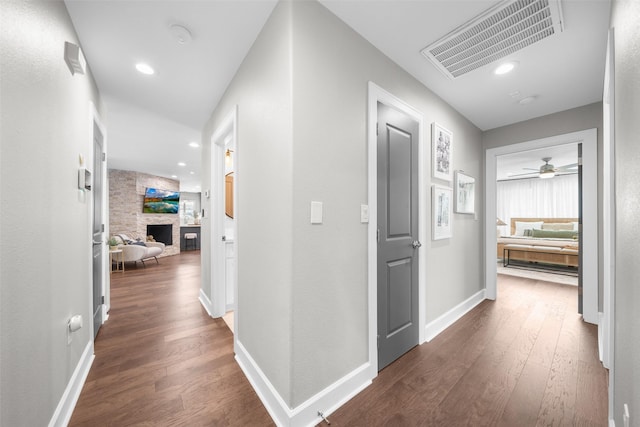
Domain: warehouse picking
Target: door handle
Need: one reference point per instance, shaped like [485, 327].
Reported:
[416, 244]
[97, 243]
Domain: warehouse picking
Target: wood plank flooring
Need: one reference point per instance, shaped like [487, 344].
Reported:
[524, 360]
[161, 360]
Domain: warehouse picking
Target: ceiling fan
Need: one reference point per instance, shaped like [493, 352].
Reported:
[549, 171]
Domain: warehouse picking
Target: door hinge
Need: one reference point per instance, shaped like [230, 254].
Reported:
[102, 227]
[102, 299]
[376, 128]
[378, 341]
[378, 235]
[104, 157]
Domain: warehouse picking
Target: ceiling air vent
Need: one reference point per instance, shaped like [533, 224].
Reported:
[500, 31]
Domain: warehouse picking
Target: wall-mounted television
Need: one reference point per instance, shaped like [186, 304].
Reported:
[161, 201]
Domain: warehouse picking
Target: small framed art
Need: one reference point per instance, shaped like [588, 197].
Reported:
[442, 207]
[465, 186]
[442, 148]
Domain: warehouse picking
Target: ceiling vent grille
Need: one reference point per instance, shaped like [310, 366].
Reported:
[502, 30]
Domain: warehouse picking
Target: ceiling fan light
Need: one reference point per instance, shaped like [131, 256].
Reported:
[547, 174]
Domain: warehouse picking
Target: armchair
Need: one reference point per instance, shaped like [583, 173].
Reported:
[133, 251]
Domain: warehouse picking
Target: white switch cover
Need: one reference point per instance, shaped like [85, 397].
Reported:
[316, 212]
[364, 214]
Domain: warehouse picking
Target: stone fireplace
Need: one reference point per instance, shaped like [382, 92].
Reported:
[126, 195]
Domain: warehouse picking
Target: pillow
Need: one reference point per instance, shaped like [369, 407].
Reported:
[557, 234]
[131, 242]
[575, 226]
[557, 226]
[524, 225]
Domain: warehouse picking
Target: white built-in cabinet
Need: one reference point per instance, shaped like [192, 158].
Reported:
[230, 273]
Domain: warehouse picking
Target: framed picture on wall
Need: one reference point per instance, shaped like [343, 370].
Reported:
[442, 146]
[465, 187]
[442, 203]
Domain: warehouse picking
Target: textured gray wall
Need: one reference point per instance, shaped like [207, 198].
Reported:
[45, 221]
[302, 105]
[624, 20]
[263, 159]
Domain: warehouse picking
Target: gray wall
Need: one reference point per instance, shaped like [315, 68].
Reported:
[302, 137]
[576, 119]
[263, 159]
[332, 65]
[45, 222]
[624, 20]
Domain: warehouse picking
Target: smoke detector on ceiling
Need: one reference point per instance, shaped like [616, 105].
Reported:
[502, 30]
[180, 33]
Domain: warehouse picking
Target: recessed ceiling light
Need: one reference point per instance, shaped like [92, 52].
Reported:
[174, 176]
[505, 68]
[192, 173]
[182, 164]
[527, 100]
[145, 68]
[194, 144]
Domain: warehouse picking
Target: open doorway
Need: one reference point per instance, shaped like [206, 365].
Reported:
[537, 214]
[588, 228]
[224, 178]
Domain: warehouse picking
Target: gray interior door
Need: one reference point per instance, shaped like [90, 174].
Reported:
[98, 229]
[397, 234]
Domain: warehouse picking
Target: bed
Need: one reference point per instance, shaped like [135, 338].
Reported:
[549, 241]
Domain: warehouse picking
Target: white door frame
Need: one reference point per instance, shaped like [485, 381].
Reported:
[217, 261]
[376, 93]
[589, 140]
[609, 219]
[96, 120]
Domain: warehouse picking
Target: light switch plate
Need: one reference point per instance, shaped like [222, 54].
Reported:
[364, 214]
[316, 212]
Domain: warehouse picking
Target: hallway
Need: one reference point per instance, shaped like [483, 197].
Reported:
[161, 360]
[522, 360]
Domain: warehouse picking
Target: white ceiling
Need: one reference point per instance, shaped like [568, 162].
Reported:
[151, 119]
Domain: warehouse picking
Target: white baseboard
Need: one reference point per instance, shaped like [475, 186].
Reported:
[306, 414]
[434, 328]
[601, 336]
[67, 404]
[206, 302]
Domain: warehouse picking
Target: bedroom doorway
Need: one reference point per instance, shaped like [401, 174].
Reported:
[537, 215]
[588, 202]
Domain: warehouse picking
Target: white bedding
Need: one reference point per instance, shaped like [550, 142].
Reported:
[538, 241]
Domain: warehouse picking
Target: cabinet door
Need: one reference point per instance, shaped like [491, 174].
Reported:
[229, 275]
[228, 194]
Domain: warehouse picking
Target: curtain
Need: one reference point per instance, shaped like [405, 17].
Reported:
[556, 197]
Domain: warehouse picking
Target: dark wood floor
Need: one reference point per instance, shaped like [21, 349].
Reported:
[161, 360]
[524, 360]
